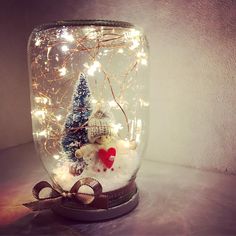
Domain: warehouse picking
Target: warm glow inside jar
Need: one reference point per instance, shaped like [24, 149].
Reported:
[89, 100]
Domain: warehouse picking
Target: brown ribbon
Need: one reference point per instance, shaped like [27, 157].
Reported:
[95, 200]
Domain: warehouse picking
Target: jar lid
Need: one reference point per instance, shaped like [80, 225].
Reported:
[108, 23]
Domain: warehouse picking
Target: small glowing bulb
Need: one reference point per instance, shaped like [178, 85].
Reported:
[134, 36]
[62, 71]
[37, 99]
[42, 100]
[135, 33]
[96, 64]
[43, 133]
[112, 103]
[93, 68]
[141, 54]
[144, 61]
[56, 157]
[121, 50]
[135, 44]
[117, 127]
[105, 52]
[94, 101]
[142, 57]
[40, 114]
[64, 48]
[143, 103]
[67, 36]
[126, 143]
[59, 117]
[37, 42]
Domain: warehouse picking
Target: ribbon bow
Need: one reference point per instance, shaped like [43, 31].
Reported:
[95, 200]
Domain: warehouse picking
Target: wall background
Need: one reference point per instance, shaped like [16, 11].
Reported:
[192, 89]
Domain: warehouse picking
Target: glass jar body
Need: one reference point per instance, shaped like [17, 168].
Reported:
[89, 97]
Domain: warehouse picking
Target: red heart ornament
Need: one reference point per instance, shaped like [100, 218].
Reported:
[107, 157]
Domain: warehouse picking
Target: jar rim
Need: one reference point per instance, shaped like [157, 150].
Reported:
[108, 23]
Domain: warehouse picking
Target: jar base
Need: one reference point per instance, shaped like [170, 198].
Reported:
[93, 215]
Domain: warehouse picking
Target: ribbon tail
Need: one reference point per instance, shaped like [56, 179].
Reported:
[42, 204]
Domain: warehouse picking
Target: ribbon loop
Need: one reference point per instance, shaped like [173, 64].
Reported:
[42, 185]
[92, 183]
[84, 197]
[97, 199]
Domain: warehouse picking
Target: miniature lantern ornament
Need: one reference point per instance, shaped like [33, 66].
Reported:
[89, 112]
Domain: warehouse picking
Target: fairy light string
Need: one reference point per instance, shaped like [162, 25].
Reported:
[50, 81]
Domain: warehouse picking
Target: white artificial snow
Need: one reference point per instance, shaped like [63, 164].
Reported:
[125, 165]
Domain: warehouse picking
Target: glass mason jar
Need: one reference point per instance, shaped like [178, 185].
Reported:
[89, 100]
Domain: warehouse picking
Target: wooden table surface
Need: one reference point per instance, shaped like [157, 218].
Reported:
[174, 200]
